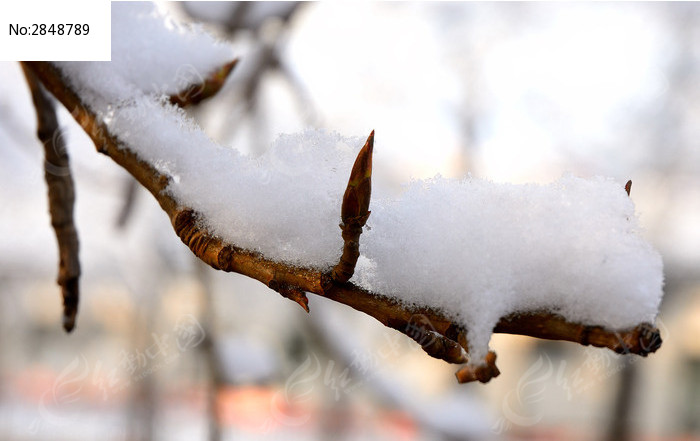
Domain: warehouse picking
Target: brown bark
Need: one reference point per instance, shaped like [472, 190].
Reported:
[450, 339]
[61, 195]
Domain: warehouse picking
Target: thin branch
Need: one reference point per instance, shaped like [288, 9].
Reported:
[61, 198]
[450, 336]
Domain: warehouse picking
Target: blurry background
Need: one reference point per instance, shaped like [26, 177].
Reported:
[167, 349]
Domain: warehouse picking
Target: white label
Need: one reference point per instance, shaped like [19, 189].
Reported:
[40, 30]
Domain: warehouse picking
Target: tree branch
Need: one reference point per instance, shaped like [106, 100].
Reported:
[61, 198]
[439, 336]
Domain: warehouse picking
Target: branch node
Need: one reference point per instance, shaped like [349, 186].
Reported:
[225, 257]
[422, 331]
[290, 292]
[483, 373]
[197, 239]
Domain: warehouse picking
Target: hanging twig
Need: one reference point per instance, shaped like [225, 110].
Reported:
[61, 198]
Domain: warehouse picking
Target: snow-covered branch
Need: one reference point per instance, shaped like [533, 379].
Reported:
[447, 263]
[435, 329]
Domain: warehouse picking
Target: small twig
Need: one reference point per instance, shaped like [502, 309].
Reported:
[642, 340]
[61, 197]
[355, 211]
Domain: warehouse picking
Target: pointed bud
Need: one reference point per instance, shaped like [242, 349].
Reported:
[195, 93]
[355, 211]
[359, 190]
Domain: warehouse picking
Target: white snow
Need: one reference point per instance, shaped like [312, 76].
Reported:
[476, 249]
[285, 204]
[151, 54]
[483, 250]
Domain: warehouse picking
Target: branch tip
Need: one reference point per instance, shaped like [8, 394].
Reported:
[68, 319]
[204, 88]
